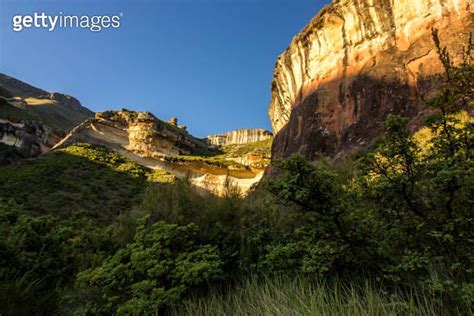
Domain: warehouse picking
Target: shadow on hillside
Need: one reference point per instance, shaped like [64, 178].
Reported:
[95, 182]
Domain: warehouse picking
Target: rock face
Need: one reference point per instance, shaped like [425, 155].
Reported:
[240, 136]
[356, 62]
[139, 132]
[30, 138]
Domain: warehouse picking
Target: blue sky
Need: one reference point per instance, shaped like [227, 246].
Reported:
[207, 62]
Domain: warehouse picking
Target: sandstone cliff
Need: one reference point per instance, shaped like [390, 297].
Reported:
[356, 62]
[240, 136]
[32, 121]
[139, 132]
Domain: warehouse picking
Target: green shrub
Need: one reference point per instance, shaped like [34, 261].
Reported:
[162, 264]
[39, 255]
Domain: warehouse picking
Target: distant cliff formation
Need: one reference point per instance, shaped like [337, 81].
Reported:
[356, 62]
[240, 136]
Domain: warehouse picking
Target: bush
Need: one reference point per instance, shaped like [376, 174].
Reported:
[39, 255]
[163, 263]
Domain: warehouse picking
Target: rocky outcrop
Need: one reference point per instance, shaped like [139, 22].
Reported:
[23, 133]
[139, 132]
[240, 136]
[31, 118]
[30, 138]
[356, 62]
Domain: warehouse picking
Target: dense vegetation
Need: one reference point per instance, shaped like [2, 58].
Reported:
[391, 230]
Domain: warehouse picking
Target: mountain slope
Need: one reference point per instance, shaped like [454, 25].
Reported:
[59, 111]
[33, 121]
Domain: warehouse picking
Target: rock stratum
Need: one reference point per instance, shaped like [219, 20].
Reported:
[240, 136]
[356, 62]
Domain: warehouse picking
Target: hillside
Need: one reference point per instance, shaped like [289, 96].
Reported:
[59, 111]
[32, 120]
[80, 178]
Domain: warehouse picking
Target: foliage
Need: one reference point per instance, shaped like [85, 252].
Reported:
[163, 263]
[318, 240]
[41, 254]
[217, 217]
[9, 154]
[406, 214]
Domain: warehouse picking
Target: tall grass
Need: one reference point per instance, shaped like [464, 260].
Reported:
[298, 296]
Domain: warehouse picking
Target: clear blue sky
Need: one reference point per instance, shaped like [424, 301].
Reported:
[207, 62]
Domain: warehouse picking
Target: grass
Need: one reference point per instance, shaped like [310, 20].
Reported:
[215, 161]
[298, 296]
[50, 112]
[12, 113]
[160, 176]
[262, 147]
[79, 178]
[9, 154]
